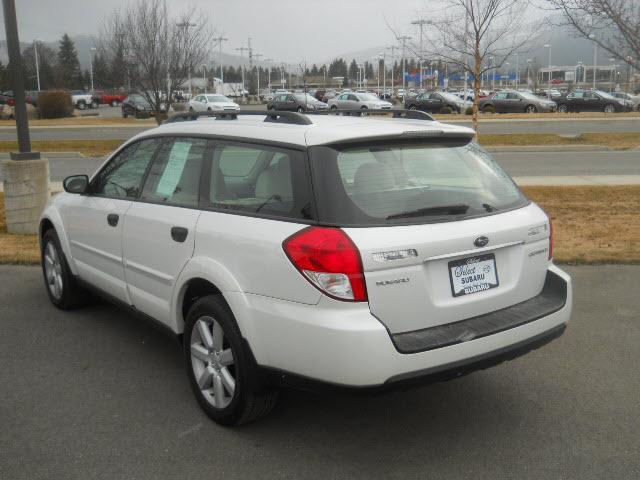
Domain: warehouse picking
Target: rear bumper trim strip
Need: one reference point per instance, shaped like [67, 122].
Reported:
[552, 298]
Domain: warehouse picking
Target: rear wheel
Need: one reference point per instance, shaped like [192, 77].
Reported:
[609, 108]
[300, 109]
[62, 287]
[81, 105]
[334, 107]
[563, 108]
[221, 371]
[412, 107]
[531, 109]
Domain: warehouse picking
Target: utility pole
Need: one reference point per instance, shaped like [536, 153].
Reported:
[548, 45]
[242, 50]
[595, 59]
[219, 39]
[35, 52]
[185, 26]
[404, 39]
[91, 50]
[257, 57]
[269, 61]
[26, 175]
[421, 23]
[393, 49]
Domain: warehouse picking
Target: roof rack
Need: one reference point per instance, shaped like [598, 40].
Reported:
[271, 116]
[398, 113]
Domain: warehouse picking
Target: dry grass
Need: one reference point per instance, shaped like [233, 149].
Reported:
[618, 141]
[592, 225]
[20, 249]
[93, 148]
[599, 224]
[83, 121]
[530, 116]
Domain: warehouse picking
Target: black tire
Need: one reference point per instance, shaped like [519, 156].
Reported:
[334, 107]
[73, 295]
[191, 109]
[94, 104]
[562, 108]
[489, 109]
[81, 105]
[364, 107]
[124, 113]
[300, 109]
[114, 103]
[609, 108]
[412, 107]
[252, 398]
[530, 109]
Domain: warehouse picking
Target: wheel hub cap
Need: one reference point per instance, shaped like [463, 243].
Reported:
[53, 270]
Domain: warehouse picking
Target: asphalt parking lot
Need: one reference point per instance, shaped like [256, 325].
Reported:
[97, 394]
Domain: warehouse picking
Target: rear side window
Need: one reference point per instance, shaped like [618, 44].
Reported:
[389, 184]
[260, 180]
[174, 177]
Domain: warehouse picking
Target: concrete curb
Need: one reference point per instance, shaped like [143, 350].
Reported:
[5, 155]
[549, 148]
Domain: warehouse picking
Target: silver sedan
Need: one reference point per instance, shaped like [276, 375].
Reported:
[357, 101]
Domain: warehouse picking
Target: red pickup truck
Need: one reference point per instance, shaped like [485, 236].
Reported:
[105, 98]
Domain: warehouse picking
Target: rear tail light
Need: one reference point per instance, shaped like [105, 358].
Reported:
[11, 102]
[328, 258]
[550, 239]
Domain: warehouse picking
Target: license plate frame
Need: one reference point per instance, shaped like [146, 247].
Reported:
[479, 264]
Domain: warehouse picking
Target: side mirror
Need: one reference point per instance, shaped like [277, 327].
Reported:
[76, 184]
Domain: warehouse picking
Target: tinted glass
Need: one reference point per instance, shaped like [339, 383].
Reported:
[122, 176]
[174, 176]
[413, 182]
[260, 180]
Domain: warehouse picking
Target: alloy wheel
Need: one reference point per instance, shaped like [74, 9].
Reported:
[213, 363]
[53, 271]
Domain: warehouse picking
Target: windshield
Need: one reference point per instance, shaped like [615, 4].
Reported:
[217, 98]
[304, 97]
[606, 95]
[390, 184]
[529, 95]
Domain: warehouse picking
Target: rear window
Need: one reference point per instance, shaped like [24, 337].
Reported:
[390, 184]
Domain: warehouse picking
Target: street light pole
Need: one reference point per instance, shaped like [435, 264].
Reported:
[35, 52]
[219, 39]
[257, 56]
[420, 23]
[91, 50]
[404, 39]
[548, 45]
[186, 26]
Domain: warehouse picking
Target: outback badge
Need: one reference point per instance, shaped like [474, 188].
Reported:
[481, 242]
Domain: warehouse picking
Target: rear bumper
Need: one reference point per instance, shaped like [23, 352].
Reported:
[343, 345]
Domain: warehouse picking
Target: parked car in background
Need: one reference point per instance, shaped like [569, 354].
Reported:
[82, 100]
[212, 102]
[105, 98]
[319, 94]
[634, 99]
[593, 101]
[300, 102]
[356, 101]
[138, 106]
[6, 99]
[511, 101]
[436, 102]
[554, 93]
[329, 94]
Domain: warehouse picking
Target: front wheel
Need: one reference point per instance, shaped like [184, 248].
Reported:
[61, 285]
[609, 109]
[221, 371]
[81, 106]
[94, 104]
[531, 109]
[333, 107]
[412, 107]
[563, 108]
[300, 110]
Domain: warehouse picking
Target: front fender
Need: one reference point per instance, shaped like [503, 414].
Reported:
[52, 214]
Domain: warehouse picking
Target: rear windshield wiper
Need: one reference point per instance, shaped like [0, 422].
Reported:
[455, 209]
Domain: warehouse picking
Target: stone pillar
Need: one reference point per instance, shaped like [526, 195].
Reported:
[26, 192]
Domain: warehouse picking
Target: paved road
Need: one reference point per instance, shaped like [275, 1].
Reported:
[518, 164]
[97, 394]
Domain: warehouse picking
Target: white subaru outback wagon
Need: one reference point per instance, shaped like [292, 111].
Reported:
[343, 251]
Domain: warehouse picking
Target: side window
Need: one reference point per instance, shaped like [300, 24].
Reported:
[501, 96]
[513, 96]
[122, 176]
[264, 180]
[353, 98]
[174, 176]
[290, 98]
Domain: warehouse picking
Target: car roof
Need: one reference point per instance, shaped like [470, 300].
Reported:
[324, 129]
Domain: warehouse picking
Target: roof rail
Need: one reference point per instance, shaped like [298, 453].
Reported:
[273, 116]
[397, 113]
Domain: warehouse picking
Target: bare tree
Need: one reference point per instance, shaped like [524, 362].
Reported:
[471, 32]
[613, 24]
[159, 50]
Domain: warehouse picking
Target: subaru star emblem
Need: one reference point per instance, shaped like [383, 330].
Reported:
[481, 241]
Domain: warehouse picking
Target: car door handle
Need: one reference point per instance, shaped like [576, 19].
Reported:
[179, 234]
[112, 219]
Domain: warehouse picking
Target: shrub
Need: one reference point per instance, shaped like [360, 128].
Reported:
[469, 111]
[55, 104]
[489, 109]
[446, 110]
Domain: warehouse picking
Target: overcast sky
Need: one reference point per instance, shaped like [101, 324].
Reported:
[288, 30]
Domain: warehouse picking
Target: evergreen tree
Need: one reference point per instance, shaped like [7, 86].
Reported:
[69, 75]
[117, 72]
[45, 68]
[4, 78]
[353, 70]
[101, 72]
